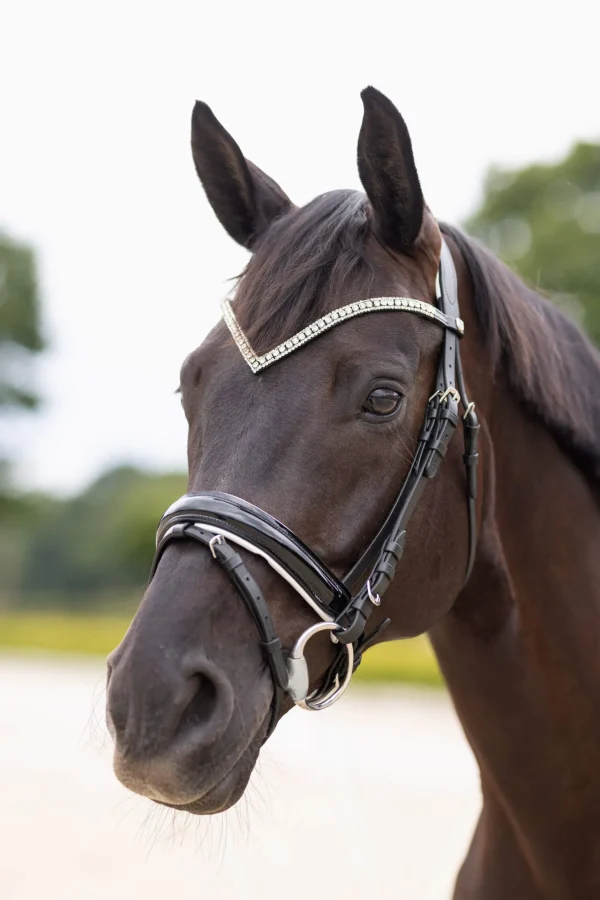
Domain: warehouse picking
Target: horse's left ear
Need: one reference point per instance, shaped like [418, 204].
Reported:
[388, 173]
[243, 197]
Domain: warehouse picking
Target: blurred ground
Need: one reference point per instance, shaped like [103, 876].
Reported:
[376, 797]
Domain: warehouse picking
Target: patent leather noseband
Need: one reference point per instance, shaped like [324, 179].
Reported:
[222, 522]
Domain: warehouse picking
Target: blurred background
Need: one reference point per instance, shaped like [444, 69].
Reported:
[112, 266]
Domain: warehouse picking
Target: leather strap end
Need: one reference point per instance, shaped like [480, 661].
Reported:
[276, 662]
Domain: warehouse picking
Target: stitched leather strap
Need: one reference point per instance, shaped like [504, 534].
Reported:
[439, 426]
[441, 420]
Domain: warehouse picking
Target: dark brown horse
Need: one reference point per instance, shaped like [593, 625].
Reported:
[322, 441]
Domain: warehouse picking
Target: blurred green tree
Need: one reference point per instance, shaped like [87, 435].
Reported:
[93, 546]
[20, 330]
[544, 221]
[20, 340]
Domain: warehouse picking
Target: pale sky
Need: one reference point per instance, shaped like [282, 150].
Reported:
[96, 170]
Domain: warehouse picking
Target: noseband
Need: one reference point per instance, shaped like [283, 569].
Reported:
[220, 521]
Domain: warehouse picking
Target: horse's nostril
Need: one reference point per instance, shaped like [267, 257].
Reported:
[208, 703]
[203, 705]
[150, 711]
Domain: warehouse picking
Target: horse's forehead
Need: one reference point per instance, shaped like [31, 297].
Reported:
[325, 323]
[394, 335]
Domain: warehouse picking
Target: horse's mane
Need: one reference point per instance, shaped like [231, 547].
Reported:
[550, 364]
[317, 252]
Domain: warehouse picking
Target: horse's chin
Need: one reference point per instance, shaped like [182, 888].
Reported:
[189, 783]
[226, 792]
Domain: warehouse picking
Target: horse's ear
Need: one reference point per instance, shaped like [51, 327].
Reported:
[244, 199]
[387, 170]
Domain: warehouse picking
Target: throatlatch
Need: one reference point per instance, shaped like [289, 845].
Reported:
[219, 520]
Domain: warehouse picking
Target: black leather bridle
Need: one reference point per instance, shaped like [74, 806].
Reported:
[219, 520]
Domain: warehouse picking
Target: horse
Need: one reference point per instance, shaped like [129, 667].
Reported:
[314, 435]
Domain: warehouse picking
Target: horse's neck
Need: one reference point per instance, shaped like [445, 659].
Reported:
[521, 655]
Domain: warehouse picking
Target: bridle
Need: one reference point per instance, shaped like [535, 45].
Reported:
[219, 521]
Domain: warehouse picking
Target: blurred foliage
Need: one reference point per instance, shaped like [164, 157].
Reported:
[544, 221]
[401, 661]
[20, 330]
[20, 340]
[85, 548]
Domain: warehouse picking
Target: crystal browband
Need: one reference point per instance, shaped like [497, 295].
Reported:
[327, 321]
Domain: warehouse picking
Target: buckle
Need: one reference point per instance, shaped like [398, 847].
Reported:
[374, 598]
[218, 539]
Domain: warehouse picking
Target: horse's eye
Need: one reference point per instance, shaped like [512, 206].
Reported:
[383, 402]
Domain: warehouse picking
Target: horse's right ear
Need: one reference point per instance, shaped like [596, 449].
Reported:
[244, 199]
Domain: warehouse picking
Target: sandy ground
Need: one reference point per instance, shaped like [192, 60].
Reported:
[375, 798]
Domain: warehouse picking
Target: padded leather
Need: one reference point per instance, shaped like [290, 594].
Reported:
[259, 528]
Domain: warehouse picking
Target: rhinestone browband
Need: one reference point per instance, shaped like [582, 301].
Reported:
[327, 321]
